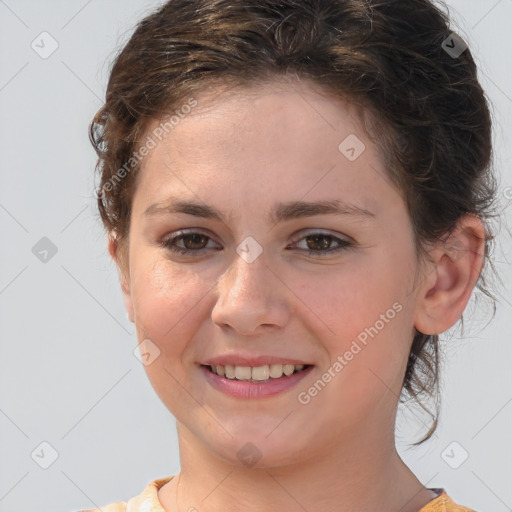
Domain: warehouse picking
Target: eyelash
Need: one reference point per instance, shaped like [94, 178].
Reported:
[169, 243]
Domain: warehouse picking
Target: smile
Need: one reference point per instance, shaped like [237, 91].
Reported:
[256, 373]
[254, 382]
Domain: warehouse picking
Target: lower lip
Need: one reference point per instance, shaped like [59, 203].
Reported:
[248, 390]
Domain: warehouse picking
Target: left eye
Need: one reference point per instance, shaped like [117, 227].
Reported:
[320, 243]
[317, 244]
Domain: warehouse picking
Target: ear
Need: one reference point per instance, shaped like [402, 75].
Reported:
[456, 264]
[119, 258]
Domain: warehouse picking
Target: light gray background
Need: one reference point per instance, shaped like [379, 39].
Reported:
[68, 376]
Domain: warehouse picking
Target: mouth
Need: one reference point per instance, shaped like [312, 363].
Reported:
[260, 374]
[255, 382]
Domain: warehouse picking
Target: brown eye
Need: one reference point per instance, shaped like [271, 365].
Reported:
[321, 244]
[187, 243]
[195, 241]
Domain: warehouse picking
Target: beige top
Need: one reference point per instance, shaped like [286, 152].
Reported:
[148, 501]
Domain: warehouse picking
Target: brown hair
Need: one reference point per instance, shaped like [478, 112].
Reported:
[430, 115]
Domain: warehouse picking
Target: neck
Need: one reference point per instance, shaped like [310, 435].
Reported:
[350, 477]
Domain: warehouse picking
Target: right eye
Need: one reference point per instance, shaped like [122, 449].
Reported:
[194, 242]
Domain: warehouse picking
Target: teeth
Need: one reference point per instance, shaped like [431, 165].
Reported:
[256, 373]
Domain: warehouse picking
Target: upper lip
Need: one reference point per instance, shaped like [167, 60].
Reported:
[239, 360]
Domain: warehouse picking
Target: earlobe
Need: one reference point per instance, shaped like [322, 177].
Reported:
[457, 261]
[129, 306]
[128, 303]
[114, 251]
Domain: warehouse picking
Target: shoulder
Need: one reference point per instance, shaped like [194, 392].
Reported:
[119, 506]
[146, 501]
[443, 503]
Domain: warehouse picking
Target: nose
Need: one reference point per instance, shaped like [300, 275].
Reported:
[251, 298]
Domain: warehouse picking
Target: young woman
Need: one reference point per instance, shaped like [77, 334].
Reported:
[297, 197]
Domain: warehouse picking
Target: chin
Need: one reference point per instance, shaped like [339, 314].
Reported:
[259, 451]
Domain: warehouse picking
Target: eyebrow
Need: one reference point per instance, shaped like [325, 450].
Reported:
[281, 212]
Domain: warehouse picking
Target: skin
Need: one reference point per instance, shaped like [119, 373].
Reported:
[337, 452]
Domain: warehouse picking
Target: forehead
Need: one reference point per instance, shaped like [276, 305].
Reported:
[270, 139]
[264, 110]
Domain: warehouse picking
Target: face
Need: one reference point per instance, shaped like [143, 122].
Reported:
[273, 270]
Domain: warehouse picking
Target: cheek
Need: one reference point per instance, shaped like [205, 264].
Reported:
[368, 323]
[166, 297]
[349, 299]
